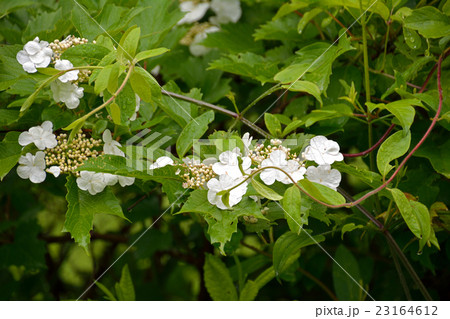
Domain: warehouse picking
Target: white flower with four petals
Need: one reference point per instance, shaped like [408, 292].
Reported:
[68, 93]
[92, 182]
[229, 164]
[32, 167]
[278, 159]
[42, 136]
[323, 151]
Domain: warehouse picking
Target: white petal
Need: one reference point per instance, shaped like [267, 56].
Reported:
[54, 170]
[37, 175]
[126, 181]
[32, 47]
[25, 138]
[63, 65]
[23, 171]
[29, 67]
[22, 57]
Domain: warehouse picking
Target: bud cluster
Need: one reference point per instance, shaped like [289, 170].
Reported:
[261, 152]
[197, 175]
[68, 156]
[58, 47]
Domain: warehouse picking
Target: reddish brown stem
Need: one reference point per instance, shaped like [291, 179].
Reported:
[340, 23]
[374, 146]
[445, 54]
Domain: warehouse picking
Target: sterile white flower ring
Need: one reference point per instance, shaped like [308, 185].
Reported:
[323, 151]
[42, 136]
[35, 54]
[32, 167]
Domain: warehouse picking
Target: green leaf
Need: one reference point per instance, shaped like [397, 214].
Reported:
[145, 85]
[327, 113]
[247, 64]
[272, 124]
[404, 111]
[251, 288]
[125, 288]
[101, 82]
[81, 209]
[10, 152]
[305, 86]
[307, 17]
[128, 44]
[438, 155]
[349, 227]
[83, 22]
[322, 193]
[106, 291]
[429, 22]
[344, 280]
[114, 111]
[126, 101]
[281, 29]
[415, 215]
[150, 54]
[412, 39]
[85, 54]
[287, 248]
[193, 131]
[217, 280]
[265, 191]
[395, 146]
[295, 212]
[292, 127]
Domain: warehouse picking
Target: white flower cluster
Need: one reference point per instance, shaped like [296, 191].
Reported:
[39, 54]
[232, 169]
[226, 11]
[65, 157]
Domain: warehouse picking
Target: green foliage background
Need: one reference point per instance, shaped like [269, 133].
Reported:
[272, 44]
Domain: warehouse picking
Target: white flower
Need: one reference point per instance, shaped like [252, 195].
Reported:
[278, 159]
[197, 49]
[223, 183]
[247, 140]
[42, 136]
[54, 170]
[67, 93]
[226, 11]
[323, 151]
[161, 162]
[68, 76]
[111, 179]
[125, 180]
[138, 106]
[32, 167]
[92, 182]
[323, 174]
[111, 146]
[229, 164]
[35, 54]
[210, 161]
[195, 11]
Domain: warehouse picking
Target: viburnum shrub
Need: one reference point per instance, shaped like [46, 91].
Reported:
[250, 140]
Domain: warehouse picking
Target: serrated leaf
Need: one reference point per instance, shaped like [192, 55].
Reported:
[81, 209]
[150, 53]
[265, 191]
[193, 131]
[84, 23]
[287, 248]
[85, 54]
[429, 22]
[217, 280]
[10, 152]
[393, 147]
